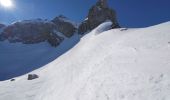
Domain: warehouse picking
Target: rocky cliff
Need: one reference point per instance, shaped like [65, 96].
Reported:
[38, 30]
[98, 14]
[65, 26]
[54, 31]
[2, 25]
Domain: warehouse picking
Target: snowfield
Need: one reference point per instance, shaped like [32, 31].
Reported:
[118, 64]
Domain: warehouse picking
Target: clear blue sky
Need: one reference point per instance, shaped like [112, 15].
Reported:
[130, 13]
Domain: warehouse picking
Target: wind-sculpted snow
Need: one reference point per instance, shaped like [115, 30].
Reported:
[118, 64]
[103, 27]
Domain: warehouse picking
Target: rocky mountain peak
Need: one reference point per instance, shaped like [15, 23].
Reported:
[98, 13]
[30, 32]
[102, 3]
[65, 25]
[62, 16]
[56, 30]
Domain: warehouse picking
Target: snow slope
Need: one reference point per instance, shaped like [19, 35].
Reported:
[17, 59]
[118, 64]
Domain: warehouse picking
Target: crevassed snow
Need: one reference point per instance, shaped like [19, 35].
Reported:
[114, 65]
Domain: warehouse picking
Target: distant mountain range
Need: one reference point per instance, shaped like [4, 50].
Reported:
[54, 31]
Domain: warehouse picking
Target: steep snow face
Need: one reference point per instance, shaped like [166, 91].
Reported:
[119, 64]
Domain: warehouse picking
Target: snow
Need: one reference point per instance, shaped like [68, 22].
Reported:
[103, 27]
[131, 64]
[17, 59]
[32, 21]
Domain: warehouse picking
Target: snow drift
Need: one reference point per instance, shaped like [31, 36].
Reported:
[117, 64]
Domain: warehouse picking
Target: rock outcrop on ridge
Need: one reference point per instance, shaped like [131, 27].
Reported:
[65, 26]
[38, 30]
[54, 31]
[31, 31]
[98, 14]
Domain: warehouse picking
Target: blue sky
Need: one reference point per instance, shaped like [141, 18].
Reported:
[130, 13]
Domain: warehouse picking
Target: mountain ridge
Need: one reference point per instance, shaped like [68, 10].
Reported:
[130, 64]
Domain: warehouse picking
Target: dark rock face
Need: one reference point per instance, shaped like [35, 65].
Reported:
[98, 14]
[2, 25]
[32, 76]
[64, 25]
[1, 30]
[54, 39]
[84, 27]
[12, 80]
[31, 31]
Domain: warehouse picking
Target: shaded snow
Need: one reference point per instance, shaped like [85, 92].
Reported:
[17, 59]
[114, 65]
[103, 27]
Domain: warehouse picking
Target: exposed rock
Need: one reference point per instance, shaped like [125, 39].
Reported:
[32, 76]
[31, 31]
[54, 39]
[2, 25]
[12, 80]
[98, 14]
[84, 27]
[1, 30]
[64, 25]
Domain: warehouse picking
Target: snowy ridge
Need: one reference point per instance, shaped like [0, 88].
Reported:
[32, 21]
[117, 64]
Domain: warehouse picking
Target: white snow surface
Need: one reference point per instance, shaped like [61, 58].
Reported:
[131, 64]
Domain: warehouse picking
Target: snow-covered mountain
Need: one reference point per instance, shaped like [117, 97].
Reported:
[31, 38]
[116, 64]
[26, 41]
[39, 30]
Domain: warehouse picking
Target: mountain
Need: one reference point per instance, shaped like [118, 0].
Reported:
[59, 32]
[26, 41]
[98, 13]
[38, 30]
[116, 64]
[2, 25]
[65, 26]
